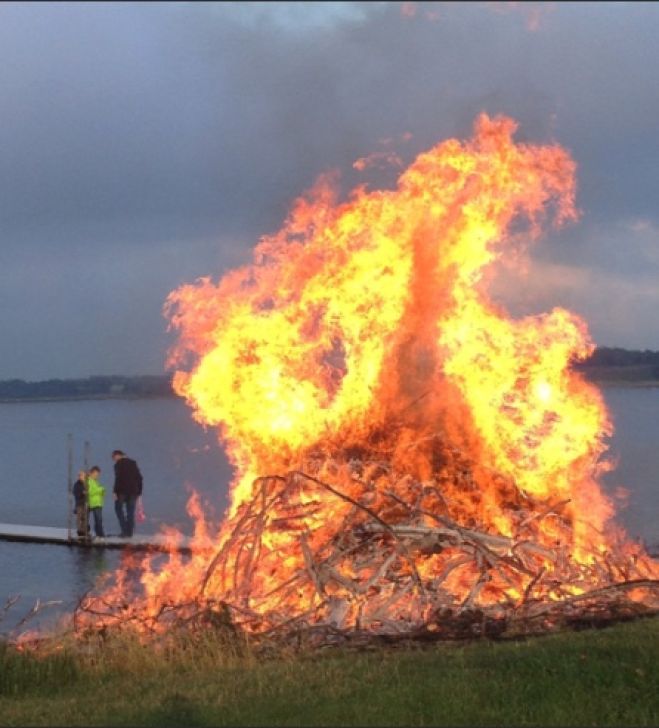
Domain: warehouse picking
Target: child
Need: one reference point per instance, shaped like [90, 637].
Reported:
[80, 510]
[96, 493]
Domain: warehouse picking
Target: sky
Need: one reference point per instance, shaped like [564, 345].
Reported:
[145, 145]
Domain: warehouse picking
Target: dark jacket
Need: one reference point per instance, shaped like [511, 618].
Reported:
[127, 478]
[79, 493]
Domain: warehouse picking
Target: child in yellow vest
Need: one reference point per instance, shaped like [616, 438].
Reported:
[95, 495]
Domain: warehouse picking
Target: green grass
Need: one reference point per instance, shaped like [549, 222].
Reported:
[595, 677]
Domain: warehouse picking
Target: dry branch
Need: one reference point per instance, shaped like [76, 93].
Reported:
[382, 572]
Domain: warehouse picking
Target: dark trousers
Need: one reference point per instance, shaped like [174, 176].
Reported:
[124, 507]
[82, 521]
[98, 521]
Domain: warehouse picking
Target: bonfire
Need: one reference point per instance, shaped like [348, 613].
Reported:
[410, 461]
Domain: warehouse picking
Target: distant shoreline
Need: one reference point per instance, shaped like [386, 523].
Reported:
[98, 387]
[85, 398]
[604, 383]
[625, 383]
[605, 367]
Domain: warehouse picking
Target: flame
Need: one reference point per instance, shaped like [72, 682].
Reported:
[361, 350]
[355, 309]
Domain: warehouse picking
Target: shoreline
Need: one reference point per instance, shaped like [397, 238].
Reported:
[605, 383]
[625, 383]
[85, 398]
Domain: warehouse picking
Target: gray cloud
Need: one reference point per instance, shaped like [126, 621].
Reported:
[142, 145]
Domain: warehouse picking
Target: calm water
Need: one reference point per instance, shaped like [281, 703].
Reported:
[176, 454]
[173, 452]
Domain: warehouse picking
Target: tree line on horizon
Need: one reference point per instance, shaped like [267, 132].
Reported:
[148, 385]
[621, 365]
[606, 363]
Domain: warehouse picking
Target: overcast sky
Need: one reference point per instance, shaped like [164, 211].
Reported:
[142, 146]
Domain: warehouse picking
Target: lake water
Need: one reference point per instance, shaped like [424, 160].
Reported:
[176, 454]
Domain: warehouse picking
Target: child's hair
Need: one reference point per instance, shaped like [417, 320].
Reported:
[94, 469]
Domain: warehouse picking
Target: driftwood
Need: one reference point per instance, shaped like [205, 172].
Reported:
[36, 609]
[393, 565]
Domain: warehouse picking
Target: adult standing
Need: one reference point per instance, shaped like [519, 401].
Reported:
[127, 489]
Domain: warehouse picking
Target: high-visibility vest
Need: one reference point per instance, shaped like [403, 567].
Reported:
[96, 493]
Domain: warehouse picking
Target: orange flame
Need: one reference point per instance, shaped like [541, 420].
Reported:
[354, 309]
[364, 327]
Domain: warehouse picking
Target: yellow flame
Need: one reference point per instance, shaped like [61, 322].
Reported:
[365, 326]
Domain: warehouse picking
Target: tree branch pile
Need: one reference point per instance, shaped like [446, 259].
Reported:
[390, 564]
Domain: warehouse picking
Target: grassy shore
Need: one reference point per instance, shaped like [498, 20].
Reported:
[594, 677]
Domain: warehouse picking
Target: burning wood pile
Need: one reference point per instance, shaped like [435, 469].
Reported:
[393, 565]
[410, 460]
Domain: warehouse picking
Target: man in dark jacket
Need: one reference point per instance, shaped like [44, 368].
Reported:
[127, 489]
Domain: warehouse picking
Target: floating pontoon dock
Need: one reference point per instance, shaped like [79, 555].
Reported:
[46, 534]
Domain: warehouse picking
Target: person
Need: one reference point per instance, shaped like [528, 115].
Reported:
[80, 508]
[95, 497]
[127, 489]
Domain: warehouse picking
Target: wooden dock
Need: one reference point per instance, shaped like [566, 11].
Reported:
[47, 534]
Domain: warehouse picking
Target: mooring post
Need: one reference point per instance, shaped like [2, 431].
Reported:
[69, 487]
[86, 466]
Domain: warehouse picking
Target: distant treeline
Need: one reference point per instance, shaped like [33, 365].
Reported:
[614, 357]
[605, 365]
[98, 387]
[621, 365]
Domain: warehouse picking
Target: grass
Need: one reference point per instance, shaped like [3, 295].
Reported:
[596, 677]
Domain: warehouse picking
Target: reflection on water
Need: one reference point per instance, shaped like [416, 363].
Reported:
[89, 564]
[175, 454]
[48, 573]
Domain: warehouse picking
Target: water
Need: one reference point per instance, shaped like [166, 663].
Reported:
[176, 454]
[635, 447]
[173, 452]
